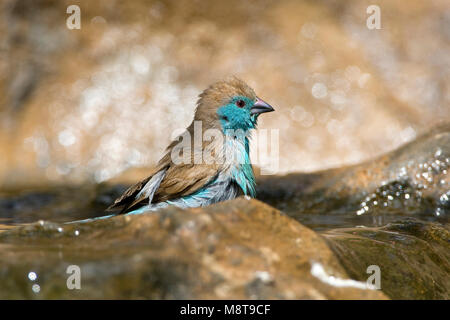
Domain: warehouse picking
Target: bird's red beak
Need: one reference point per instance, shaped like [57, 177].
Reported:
[261, 106]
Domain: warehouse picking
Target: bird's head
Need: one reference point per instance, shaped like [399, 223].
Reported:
[230, 105]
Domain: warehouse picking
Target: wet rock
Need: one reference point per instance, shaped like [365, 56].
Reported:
[412, 180]
[413, 256]
[237, 249]
[55, 203]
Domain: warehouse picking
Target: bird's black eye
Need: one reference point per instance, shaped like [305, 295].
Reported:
[240, 103]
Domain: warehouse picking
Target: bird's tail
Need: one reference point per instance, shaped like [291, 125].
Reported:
[134, 212]
[91, 219]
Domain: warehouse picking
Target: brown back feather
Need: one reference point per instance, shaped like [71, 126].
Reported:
[128, 196]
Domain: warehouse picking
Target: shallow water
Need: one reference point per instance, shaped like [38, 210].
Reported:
[65, 204]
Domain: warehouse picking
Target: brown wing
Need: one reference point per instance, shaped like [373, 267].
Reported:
[179, 180]
[182, 180]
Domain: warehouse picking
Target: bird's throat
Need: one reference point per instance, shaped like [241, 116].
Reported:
[238, 165]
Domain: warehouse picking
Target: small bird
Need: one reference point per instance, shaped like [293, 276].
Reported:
[218, 168]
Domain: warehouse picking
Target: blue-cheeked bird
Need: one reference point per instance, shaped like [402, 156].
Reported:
[228, 106]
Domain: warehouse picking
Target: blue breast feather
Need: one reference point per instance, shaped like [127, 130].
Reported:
[243, 173]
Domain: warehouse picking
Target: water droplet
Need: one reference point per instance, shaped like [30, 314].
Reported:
[140, 64]
[264, 276]
[32, 275]
[445, 199]
[319, 90]
[36, 288]
[438, 152]
[66, 138]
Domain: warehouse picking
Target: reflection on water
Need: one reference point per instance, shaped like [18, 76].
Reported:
[7, 224]
[57, 204]
[323, 222]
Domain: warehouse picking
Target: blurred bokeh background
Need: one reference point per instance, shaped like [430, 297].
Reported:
[86, 105]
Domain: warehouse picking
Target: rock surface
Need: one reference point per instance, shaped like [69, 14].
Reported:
[238, 249]
[413, 180]
[413, 257]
